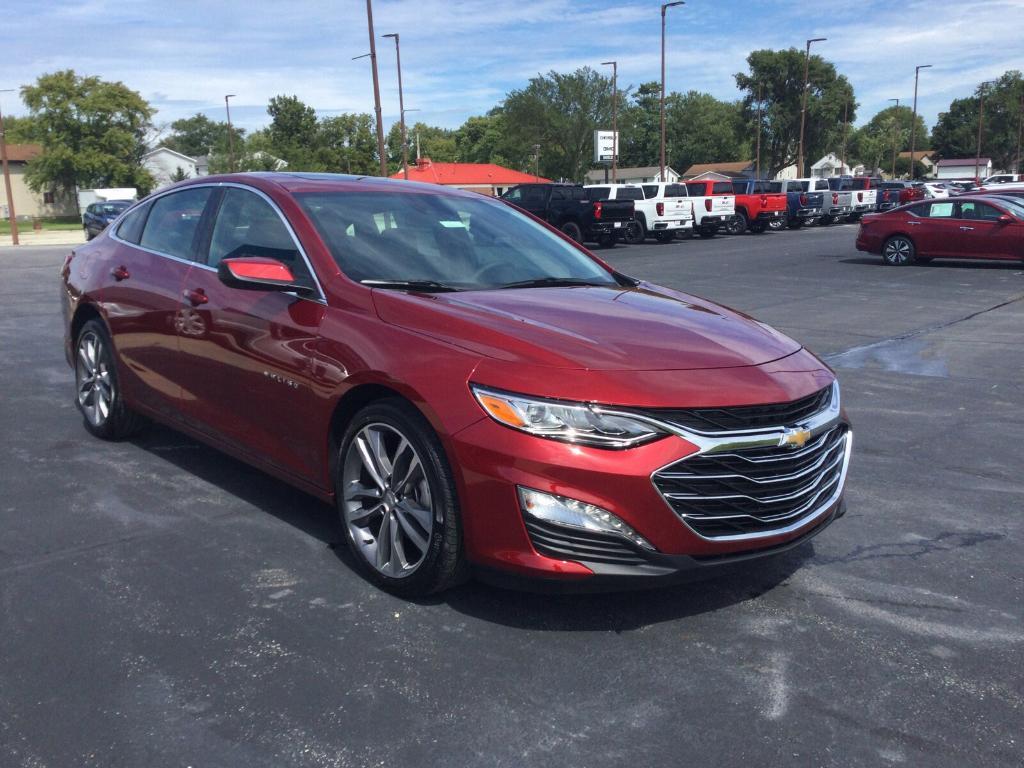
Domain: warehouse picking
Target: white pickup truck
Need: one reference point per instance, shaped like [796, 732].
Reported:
[660, 212]
[714, 205]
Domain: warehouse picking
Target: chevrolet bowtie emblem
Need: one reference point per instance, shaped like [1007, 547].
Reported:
[795, 438]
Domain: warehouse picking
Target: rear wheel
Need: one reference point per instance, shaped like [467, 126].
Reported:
[708, 232]
[738, 225]
[607, 241]
[898, 251]
[98, 393]
[794, 224]
[665, 236]
[572, 229]
[825, 221]
[636, 232]
[397, 501]
[758, 227]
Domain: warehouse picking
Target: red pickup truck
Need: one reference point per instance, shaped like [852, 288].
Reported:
[756, 207]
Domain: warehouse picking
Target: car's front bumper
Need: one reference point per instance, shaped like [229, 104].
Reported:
[493, 461]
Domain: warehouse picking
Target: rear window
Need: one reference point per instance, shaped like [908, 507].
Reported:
[695, 190]
[798, 185]
[629, 193]
[721, 188]
[596, 193]
[775, 186]
[840, 185]
[756, 187]
[675, 190]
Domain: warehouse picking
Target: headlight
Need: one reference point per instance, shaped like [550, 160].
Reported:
[569, 422]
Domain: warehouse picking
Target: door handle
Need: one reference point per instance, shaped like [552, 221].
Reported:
[914, 223]
[966, 229]
[120, 273]
[196, 296]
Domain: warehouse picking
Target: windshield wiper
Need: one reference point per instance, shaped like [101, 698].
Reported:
[429, 286]
[552, 282]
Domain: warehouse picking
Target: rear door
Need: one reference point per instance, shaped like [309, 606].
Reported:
[156, 247]
[246, 356]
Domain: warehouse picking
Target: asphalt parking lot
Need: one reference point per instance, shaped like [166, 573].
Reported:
[164, 605]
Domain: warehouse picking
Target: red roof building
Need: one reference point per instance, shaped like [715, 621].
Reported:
[485, 178]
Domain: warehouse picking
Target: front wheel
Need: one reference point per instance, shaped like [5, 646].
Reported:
[898, 251]
[98, 393]
[397, 501]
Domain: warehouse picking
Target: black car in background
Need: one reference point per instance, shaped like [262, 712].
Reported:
[98, 215]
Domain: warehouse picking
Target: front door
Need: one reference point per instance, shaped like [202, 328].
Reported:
[247, 354]
[982, 235]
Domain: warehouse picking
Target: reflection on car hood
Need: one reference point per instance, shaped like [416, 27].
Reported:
[592, 327]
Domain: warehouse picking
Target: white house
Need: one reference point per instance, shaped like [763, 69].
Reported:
[641, 175]
[166, 164]
[830, 165]
[963, 168]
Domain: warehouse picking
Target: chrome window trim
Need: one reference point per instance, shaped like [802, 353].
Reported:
[321, 297]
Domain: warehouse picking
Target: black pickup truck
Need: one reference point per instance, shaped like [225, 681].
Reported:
[582, 214]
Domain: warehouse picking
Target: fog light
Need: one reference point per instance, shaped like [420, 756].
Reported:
[576, 514]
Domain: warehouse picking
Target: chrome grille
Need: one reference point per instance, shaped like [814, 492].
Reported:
[755, 490]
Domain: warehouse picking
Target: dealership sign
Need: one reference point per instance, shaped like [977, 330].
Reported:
[605, 146]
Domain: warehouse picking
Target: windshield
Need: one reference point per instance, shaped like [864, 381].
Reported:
[462, 243]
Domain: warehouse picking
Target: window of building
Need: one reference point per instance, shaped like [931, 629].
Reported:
[48, 198]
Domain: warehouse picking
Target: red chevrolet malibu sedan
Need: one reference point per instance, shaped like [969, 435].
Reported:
[965, 227]
[473, 390]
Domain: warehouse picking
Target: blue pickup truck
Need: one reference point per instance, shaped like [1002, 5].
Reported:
[802, 207]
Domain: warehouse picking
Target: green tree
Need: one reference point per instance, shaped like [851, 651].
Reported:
[484, 139]
[348, 144]
[293, 133]
[199, 135]
[439, 144]
[640, 127]
[956, 132]
[180, 174]
[781, 75]
[92, 132]
[701, 129]
[560, 112]
[19, 130]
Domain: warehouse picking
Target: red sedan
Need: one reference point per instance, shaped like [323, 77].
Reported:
[965, 227]
[473, 390]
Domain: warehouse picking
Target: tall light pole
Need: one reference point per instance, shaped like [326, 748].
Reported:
[803, 105]
[7, 177]
[664, 7]
[401, 107]
[231, 134]
[846, 131]
[913, 120]
[615, 112]
[376, 89]
[1020, 130]
[536, 161]
[895, 132]
[757, 161]
[981, 124]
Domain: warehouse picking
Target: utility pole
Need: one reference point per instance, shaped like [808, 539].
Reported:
[664, 7]
[401, 107]
[981, 125]
[757, 161]
[913, 120]
[1020, 130]
[615, 124]
[376, 90]
[11, 215]
[803, 106]
[231, 137]
[846, 131]
[895, 132]
[536, 162]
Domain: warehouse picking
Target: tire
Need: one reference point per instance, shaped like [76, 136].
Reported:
[97, 390]
[372, 501]
[759, 227]
[795, 224]
[607, 241]
[572, 229]
[899, 251]
[738, 225]
[708, 232]
[88, 234]
[636, 232]
[826, 221]
[665, 236]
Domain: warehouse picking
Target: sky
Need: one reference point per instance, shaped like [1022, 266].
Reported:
[460, 57]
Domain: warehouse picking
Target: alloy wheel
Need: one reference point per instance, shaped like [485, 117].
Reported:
[897, 251]
[92, 376]
[387, 502]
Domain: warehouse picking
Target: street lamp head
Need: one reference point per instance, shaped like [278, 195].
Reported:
[669, 5]
[922, 66]
[229, 96]
[817, 40]
[392, 34]
[603, 63]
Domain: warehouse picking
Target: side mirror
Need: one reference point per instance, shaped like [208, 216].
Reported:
[256, 273]
[1005, 219]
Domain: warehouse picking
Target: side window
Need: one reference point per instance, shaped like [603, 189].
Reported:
[596, 193]
[247, 225]
[696, 190]
[675, 190]
[173, 221]
[558, 194]
[629, 193]
[514, 195]
[130, 229]
[936, 210]
[774, 186]
[533, 195]
[650, 190]
[971, 209]
[722, 188]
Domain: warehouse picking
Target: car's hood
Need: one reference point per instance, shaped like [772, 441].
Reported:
[597, 328]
